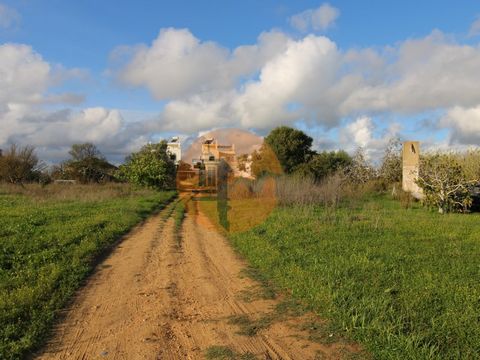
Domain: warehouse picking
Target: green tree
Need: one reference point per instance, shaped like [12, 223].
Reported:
[291, 146]
[151, 167]
[87, 164]
[324, 164]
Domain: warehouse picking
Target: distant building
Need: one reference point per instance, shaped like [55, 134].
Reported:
[174, 148]
[212, 151]
[211, 155]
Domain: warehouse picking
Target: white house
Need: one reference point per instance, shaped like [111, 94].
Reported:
[174, 148]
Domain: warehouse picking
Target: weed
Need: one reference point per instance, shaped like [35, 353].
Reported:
[265, 291]
[225, 353]
[248, 326]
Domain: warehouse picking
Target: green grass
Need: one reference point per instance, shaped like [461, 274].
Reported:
[49, 244]
[403, 282]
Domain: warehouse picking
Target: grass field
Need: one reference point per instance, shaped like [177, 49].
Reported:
[405, 283]
[50, 238]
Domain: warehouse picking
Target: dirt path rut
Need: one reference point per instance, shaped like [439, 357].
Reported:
[162, 297]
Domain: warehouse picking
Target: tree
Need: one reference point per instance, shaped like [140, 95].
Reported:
[391, 167]
[291, 146]
[265, 162]
[20, 164]
[360, 171]
[85, 151]
[324, 164]
[151, 167]
[87, 164]
[444, 183]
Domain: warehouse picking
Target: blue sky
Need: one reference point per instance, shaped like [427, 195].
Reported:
[80, 42]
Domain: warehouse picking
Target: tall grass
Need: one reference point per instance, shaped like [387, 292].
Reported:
[74, 192]
[295, 190]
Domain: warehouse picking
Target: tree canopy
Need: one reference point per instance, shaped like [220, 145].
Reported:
[86, 164]
[20, 164]
[292, 147]
[150, 167]
[324, 164]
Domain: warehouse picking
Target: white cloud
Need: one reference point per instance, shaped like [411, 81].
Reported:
[422, 74]
[464, 125]
[9, 17]
[316, 19]
[364, 132]
[26, 83]
[178, 64]
[297, 76]
[310, 79]
[475, 28]
[277, 80]
[53, 133]
[24, 75]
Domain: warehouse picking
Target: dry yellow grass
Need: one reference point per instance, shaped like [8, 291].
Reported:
[73, 192]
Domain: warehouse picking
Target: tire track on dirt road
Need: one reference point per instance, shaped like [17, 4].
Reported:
[157, 298]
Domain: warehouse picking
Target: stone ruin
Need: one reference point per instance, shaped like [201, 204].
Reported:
[411, 168]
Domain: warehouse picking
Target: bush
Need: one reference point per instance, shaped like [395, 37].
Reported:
[444, 183]
[324, 164]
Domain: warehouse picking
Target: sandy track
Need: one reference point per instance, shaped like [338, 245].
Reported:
[154, 298]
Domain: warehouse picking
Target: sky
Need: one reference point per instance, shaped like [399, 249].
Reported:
[349, 73]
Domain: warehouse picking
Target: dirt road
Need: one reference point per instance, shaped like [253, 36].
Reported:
[162, 297]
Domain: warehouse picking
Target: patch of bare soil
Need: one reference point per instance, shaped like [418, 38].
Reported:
[156, 298]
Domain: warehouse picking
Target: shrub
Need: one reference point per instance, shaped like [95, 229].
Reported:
[324, 164]
[444, 183]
